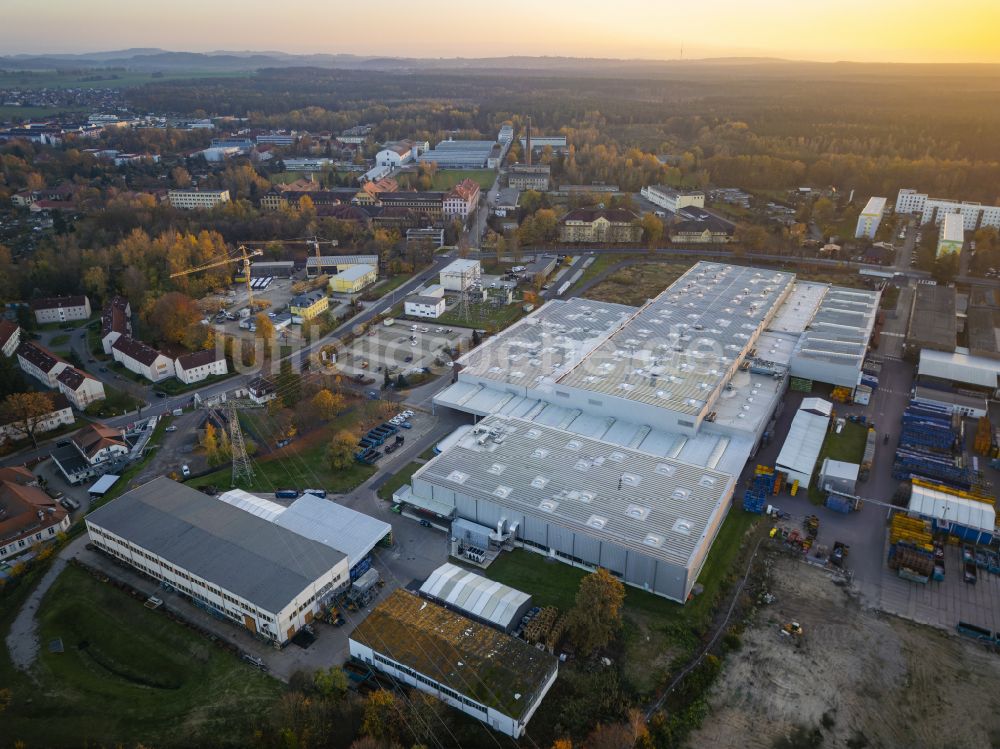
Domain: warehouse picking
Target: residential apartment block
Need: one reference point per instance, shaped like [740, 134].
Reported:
[308, 305]
[870, 218]
[60, 309]
[28, 516]
[200, 365]
[79, 387]
[116, 321]
[197, 199]
[40, 363]
[461, 200]
[142, 359]
[16, 429]
[10, 337]
[952, 235]
[933, 210]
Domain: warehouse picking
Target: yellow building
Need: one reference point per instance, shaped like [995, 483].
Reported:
[307, 306]
[350, 279]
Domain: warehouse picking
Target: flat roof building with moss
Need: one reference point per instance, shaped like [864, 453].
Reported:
[497, 679]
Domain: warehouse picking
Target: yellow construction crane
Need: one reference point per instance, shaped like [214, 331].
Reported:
[242, 255]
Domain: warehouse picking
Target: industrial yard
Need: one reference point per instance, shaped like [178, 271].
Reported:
[855, 676]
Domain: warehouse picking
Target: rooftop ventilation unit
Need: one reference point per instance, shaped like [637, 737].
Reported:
[616, 457]
[637, 512]
[548, 505]
[457, 477]
[680, 493]
[654, 539]
[539, 482]
[631, 479]
[497, 468]
[533, 434]
[582, 465]
[707, 481]
[502, 491]
[574, 445]
[665, 469]
[597, 522]
[540, 453]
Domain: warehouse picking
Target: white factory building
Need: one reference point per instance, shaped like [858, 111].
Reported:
[613, 436]
[933, 210]
[672, 199]
[460, 274]
[870, 218]
[254, 572]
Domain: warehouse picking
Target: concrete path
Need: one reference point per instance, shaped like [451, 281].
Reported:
[22, 640]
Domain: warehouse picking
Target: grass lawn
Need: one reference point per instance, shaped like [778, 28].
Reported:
[128, 675]
[848, 446]
[656, 631]
[27, 113]
[59, 340]
[173, 386]
[115, 403]
[302, 464]
[94, 344]
[403, 476]
[445, 179]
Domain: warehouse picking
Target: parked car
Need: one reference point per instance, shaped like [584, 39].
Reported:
[54, 493]
[69, 503]
[185, 470]
[170, 429]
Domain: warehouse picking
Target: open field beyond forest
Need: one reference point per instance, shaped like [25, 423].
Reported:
[856, 678]
[657, 631]
[112, 78]
[126, 674]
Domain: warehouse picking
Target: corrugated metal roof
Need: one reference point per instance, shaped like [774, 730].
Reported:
[262, 508]
[932, 503]
[959, 366]
[803, 443]
[484, 599]
[658, 506]
[341, 528]
[226, 546]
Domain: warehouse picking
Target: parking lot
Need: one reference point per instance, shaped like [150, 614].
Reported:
[402, 348]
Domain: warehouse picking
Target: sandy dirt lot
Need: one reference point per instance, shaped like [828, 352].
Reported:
[857, 678]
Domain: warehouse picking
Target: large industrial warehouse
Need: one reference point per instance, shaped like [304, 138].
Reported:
[674, 395]
[256, 573]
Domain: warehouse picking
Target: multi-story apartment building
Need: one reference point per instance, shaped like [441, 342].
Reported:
[60, 309]
[952, 235]
[142, 359]
[461, 200]
[10, 337]
[933, 210]
[430, 204]
[200, 365]
[40, 363]
[197, 199]
[79, 387]
[308, 305]
[116, 320]
[30, 515]
[870, 218]
[20, 429]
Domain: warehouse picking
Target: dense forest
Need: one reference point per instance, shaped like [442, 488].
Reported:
[869, 128]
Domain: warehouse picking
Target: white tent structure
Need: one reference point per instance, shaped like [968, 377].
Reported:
[939, 505]
[804, 441]
[262, 508]
[476, 596]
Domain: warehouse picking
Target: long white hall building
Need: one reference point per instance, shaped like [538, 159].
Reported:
[613, 436]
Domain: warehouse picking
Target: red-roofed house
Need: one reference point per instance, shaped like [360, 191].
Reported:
[40, 363]
[142, 359]
[61, 309]
[28, 515]
[10, 337]
[116, 320]
[461, 200]
[79, 387]
[199, 365]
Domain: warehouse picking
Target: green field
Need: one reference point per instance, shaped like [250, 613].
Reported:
[127, 675]
[301, 464]
[484, 316]
[445, 179]
[656, 631]
[401, 477]
[99, 78]
[28, 113]
[848, 446]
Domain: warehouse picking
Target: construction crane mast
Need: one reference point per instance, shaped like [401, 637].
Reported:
[242, 255]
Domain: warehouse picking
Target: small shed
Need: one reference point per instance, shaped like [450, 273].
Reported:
[838, 476]
[103, 485]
